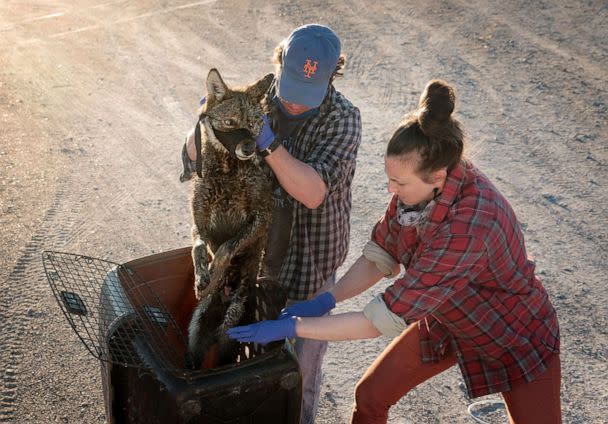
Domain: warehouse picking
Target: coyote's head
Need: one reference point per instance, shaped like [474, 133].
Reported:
[232, 117]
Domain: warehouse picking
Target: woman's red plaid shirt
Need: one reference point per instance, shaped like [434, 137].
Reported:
[470, 286]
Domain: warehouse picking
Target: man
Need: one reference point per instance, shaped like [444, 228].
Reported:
[310, 141]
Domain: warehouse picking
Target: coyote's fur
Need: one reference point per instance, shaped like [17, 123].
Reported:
[231, 208]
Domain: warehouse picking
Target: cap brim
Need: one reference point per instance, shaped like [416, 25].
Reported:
[310, 94]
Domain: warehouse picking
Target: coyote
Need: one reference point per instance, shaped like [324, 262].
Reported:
[231, 208]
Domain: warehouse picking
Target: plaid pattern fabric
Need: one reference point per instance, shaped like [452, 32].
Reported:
[328, 142]
[469, 285]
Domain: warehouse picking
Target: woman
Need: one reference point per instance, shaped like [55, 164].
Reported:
[468, 294]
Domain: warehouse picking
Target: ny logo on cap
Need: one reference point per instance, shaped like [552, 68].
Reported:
[309, 69]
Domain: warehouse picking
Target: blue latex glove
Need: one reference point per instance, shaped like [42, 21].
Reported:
[264, 331]
[315, 307]
[266, 135]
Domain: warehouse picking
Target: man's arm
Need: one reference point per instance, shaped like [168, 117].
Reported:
[330, 160]
[299, 179]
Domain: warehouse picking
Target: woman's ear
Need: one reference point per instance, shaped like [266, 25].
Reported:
[439, 176]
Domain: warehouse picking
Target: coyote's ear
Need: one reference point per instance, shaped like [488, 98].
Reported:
[216, 87]
[258, 89]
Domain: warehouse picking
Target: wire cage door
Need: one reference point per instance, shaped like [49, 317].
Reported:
[114, 311]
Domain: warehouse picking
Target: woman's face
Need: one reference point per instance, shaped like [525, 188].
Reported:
[405, 183]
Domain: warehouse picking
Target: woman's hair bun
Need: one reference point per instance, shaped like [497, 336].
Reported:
[435, 106]
[431, 131]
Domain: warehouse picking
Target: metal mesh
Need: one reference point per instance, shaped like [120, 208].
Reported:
[110, 307]
[115, 312]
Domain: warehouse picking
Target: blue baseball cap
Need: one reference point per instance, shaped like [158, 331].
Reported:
[309, 60]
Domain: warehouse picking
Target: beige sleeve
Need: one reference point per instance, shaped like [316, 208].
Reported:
[383, 319]
[383, 260]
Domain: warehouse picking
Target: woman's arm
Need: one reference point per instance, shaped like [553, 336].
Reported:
[348, 326]
[362, 275]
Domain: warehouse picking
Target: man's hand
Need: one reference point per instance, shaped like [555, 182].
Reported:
[316, 307]
[266, 136]
[264, 331]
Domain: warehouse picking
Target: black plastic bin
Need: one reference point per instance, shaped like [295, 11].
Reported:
[134, 316]
[264, 389]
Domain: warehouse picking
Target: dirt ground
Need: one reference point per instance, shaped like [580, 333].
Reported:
[95, 98]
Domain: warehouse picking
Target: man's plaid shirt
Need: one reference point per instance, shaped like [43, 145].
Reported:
[328, 142]
[470, 286]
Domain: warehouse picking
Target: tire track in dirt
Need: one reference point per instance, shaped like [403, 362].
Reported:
[123, 19]
[24, 287]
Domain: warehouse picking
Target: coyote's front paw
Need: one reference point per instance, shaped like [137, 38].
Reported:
[201, 281]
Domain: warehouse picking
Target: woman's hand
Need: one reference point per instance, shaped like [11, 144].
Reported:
[264, 331]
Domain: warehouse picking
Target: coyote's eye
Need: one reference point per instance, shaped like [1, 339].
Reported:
[229, 122]
[251, 125]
